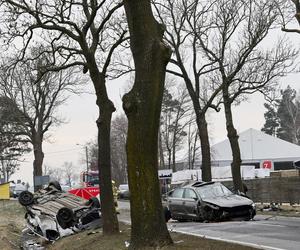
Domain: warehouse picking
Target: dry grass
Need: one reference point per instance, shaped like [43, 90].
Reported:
[95, 240]
[11, 224]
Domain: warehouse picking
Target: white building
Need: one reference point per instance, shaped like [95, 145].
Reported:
[259, 149]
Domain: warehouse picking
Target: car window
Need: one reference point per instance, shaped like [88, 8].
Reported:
[213, 190]
[177, 193]
[189, 194]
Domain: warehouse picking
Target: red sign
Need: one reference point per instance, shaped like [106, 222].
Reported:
[267, 164]
[86, 192]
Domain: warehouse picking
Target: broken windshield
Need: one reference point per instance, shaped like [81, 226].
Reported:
[213, 190]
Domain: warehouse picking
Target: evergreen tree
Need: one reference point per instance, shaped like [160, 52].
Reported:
[288, 113]
[271, 120]
[282, 119]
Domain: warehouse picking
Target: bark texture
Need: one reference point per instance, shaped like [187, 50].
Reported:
[106, 108]
[234, 143]
[143, 106]
[205, 147]
[38, 158]
[202, 126]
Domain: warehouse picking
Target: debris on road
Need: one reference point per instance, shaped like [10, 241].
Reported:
[52, 213]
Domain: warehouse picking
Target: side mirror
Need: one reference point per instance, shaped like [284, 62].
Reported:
[195, 198]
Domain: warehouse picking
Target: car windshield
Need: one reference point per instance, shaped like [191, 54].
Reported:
[213, 190]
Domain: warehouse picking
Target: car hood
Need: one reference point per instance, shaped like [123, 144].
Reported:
[229, 201]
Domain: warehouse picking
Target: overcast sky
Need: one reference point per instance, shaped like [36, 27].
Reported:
[81, 114]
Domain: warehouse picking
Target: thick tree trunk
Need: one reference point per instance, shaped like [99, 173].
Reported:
[142, 106]
[205, 147]
[106, 108]
[234, 143]
[109, 216]
[38, 160]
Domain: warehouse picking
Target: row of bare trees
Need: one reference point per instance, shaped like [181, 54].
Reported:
[66, 174]
[219, 55]
[215, 47]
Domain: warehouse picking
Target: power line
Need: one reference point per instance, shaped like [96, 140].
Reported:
[61, 151]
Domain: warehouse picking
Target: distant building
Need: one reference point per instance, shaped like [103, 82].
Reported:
[258, 149]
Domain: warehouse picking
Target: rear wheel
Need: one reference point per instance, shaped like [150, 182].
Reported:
[26, 198]
[65, 217]
[55, 184]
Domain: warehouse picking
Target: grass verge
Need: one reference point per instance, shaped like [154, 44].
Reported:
[11, 224]
[95, 240]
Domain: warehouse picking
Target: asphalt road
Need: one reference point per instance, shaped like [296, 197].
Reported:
[264, 232]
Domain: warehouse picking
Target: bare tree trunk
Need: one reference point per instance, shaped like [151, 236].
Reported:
[161, 153]
[109, 216]
[169, 157]
[5, 176]
[234, 143]
[143, 106]
[189, 142]
[174, 155]
[38, 160]
[106, 108]
[194, 151]
[205, 147]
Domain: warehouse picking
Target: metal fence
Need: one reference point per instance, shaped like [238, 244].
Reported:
[275, 189]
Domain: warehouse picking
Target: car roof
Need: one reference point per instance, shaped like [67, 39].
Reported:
[199, 184]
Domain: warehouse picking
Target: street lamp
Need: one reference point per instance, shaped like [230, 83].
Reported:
[86, 156]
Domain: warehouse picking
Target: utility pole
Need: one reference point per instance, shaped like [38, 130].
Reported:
[86, 155]
[87, 158]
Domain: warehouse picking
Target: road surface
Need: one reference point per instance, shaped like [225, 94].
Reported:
[264, 232]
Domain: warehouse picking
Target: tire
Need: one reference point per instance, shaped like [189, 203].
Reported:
[55, 184]
[209, 214]
[26, 198]
[93, 202]
[65, 217]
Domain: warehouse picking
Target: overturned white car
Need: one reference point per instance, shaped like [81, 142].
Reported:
[52, 213]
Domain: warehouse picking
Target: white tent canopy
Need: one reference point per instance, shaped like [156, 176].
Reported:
[257, 146]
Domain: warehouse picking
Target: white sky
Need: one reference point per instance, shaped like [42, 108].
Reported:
[81, 113]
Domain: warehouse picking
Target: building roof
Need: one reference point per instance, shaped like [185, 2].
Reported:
[256, 145]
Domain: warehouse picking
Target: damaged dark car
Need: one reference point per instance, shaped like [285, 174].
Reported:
[52, 213]
[207, 201]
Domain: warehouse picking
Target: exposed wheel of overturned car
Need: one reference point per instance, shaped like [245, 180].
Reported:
[65, 217]
[55, 184]
[26, 198]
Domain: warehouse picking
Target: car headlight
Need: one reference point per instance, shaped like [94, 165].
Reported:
[253, 205]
